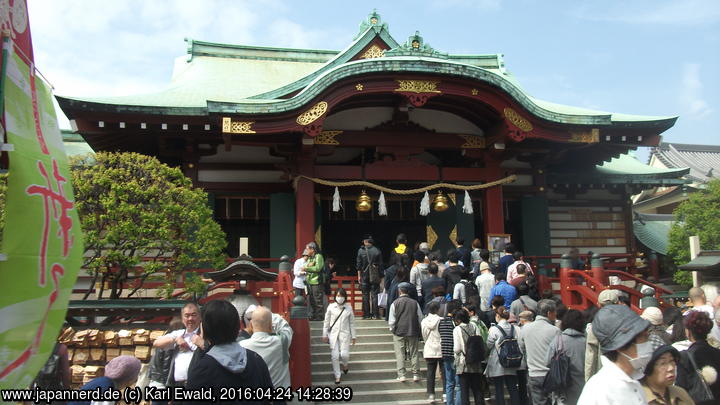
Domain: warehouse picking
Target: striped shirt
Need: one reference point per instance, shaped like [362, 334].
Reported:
[445, 328]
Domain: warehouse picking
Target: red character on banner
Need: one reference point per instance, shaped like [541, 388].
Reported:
[53, 197]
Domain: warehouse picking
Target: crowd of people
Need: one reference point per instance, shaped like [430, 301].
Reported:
[491, 335]
[484, 326]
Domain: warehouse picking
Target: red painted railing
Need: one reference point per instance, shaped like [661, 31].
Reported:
[352, 287]
[579, 289]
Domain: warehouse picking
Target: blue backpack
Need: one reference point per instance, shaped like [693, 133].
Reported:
[509, 354]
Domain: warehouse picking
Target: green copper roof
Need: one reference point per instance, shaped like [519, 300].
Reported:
[74, 143]
[253, 80]
[624, 169]
[654, 234]
[708, 260]
[627, 164]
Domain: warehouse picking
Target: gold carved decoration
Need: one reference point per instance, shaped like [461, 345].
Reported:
[474, 92]
[517, 120]
[318, 237]
[359, 87]
[453, 235]
[472, 142]
[373, 52]
[237, 127]
[418, 86]
[312, 114]
[453, 197]
[327, 138]
[592, 136]
[431, 236]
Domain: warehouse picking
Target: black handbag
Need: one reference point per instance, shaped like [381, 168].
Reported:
[558, 377]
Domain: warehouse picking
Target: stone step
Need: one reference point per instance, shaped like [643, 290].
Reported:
[358, 323]
[383, 384]
[360, 330]
[409, 391]
[360, 346]
[359, 355]
[358, 364]
[325, 376]
[438, 401]
[361, 338]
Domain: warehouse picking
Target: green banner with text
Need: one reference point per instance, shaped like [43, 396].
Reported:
[42, 238]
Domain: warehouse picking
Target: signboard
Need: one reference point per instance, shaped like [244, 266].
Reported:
[42, 237]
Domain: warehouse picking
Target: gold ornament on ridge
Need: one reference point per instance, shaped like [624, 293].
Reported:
[517, 119]
[418, 86]
[237, 127]
[312, 114]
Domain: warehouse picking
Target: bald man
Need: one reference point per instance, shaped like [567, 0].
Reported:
[699, 301]
[271, 337]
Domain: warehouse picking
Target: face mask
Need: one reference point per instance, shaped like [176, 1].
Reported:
[340, 300]
[644, 354]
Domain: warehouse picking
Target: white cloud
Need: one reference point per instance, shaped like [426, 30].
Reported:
[109, 48]
[683, 13]
[691, 91]
[478, 4]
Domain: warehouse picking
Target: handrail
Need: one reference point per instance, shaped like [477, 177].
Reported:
[351, 291]
[657, 288]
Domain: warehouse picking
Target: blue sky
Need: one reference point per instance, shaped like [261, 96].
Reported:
[645, 57]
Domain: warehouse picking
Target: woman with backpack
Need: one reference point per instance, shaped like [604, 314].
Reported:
[571, 343]
[500, 339]
[432, 351]
[469, 354]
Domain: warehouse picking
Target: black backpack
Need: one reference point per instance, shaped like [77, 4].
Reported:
[471, 290]
[372, 270]
[50, 377]
[509, 354]
[474, 349]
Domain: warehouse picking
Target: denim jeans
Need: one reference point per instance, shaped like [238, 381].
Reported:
[450, 380]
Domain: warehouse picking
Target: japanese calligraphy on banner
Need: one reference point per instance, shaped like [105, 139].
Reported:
[42, 237]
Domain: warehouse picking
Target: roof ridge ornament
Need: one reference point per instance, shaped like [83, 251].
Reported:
[374, 21]
[416, 46]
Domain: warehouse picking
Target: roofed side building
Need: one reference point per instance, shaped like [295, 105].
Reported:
[702, 162]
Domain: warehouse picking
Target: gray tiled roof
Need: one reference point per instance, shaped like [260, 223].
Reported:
[703, 160]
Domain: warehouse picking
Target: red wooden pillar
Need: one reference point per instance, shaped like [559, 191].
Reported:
[300, 361]
[493, 215]
[654, 267]
[304, 214]
[598, 270]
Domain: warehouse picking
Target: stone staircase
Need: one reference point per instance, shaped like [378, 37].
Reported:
[372, 367]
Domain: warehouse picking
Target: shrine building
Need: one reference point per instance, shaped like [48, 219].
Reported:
[269, 133]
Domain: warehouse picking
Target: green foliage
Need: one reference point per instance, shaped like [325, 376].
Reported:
[133, 206]
[699, 215]
[3, 191]
[683, 278]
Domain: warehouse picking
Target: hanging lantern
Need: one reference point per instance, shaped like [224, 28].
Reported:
[440, 202]
[363, 203]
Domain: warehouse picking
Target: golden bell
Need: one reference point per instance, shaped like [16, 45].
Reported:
[440, 202]
[363, 203]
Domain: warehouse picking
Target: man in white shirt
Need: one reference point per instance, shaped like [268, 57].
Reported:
[623, 338]
[485, 282]
[184, 341]
[299, 275]
[271, 338]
